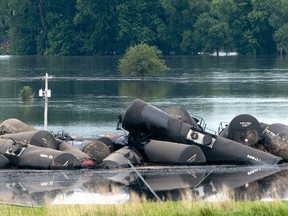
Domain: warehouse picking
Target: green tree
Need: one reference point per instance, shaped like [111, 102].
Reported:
[212, 34]
[261, 28]
[220, 34]
[4, 27]
[242, 29]
[60, 31]
[23, 22]
[90, 27]
[279, 21]
[96, 25]
[138, 22]
[141, 60]
[281, 38]
[179, 18]
[188, 45]
[41, 27]
[26, 93]
[211, 31]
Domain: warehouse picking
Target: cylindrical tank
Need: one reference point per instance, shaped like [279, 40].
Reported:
[66, 147]
[112, 141]
[141, 117]
[173, 153]
[181, 114]
[95, 149]
[147, 121]
[39, 138]
[275, 139]
[263, 126]
[229, 151]
[244, 129]
[13, 125]
[120, 158]
[30, 156]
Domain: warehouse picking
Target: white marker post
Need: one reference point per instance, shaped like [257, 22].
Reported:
[46, 94]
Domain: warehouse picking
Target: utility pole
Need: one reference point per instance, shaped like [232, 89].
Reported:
[45, 94]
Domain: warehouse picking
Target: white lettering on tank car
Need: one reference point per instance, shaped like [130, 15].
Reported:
[253, 158]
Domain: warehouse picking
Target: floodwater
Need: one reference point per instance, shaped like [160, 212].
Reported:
[88, 95]
[105, 187]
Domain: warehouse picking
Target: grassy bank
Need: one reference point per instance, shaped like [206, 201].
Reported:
[165, 208]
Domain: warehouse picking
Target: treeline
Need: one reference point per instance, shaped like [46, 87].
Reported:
[92, 27]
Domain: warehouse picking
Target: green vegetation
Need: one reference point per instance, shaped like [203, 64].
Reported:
[164, 208]
[26, 93]
[141, 60]
[92, 27]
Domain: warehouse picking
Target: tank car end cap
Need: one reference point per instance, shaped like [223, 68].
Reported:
[97, 151]
[65, 161]
[115, 160]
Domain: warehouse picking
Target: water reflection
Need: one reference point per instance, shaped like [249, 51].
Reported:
[208, 183]
[144, 89]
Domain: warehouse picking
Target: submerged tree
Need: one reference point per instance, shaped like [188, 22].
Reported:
[26, 93]
[141, 60]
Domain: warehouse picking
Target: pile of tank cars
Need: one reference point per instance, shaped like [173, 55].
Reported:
[22, 146]
[151, 136]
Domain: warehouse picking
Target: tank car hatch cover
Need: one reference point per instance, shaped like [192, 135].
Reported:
[245, 129]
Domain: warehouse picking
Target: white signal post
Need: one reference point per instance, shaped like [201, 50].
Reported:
[45, 94]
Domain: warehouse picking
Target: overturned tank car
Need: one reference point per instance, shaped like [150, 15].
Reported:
[160, 137]
[152, 136]
[246, 129]
[22, 146]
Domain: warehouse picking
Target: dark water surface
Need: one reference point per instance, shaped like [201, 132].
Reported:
[88, 94]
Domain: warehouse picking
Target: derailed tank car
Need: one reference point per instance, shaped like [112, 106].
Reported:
[246, 129]
[146, 122]
[152, 136]
[22, 146]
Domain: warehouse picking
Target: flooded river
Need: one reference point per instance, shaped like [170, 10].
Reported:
[88, 94]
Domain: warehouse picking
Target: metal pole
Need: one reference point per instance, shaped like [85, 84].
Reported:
[46, 102]
[46, 94]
